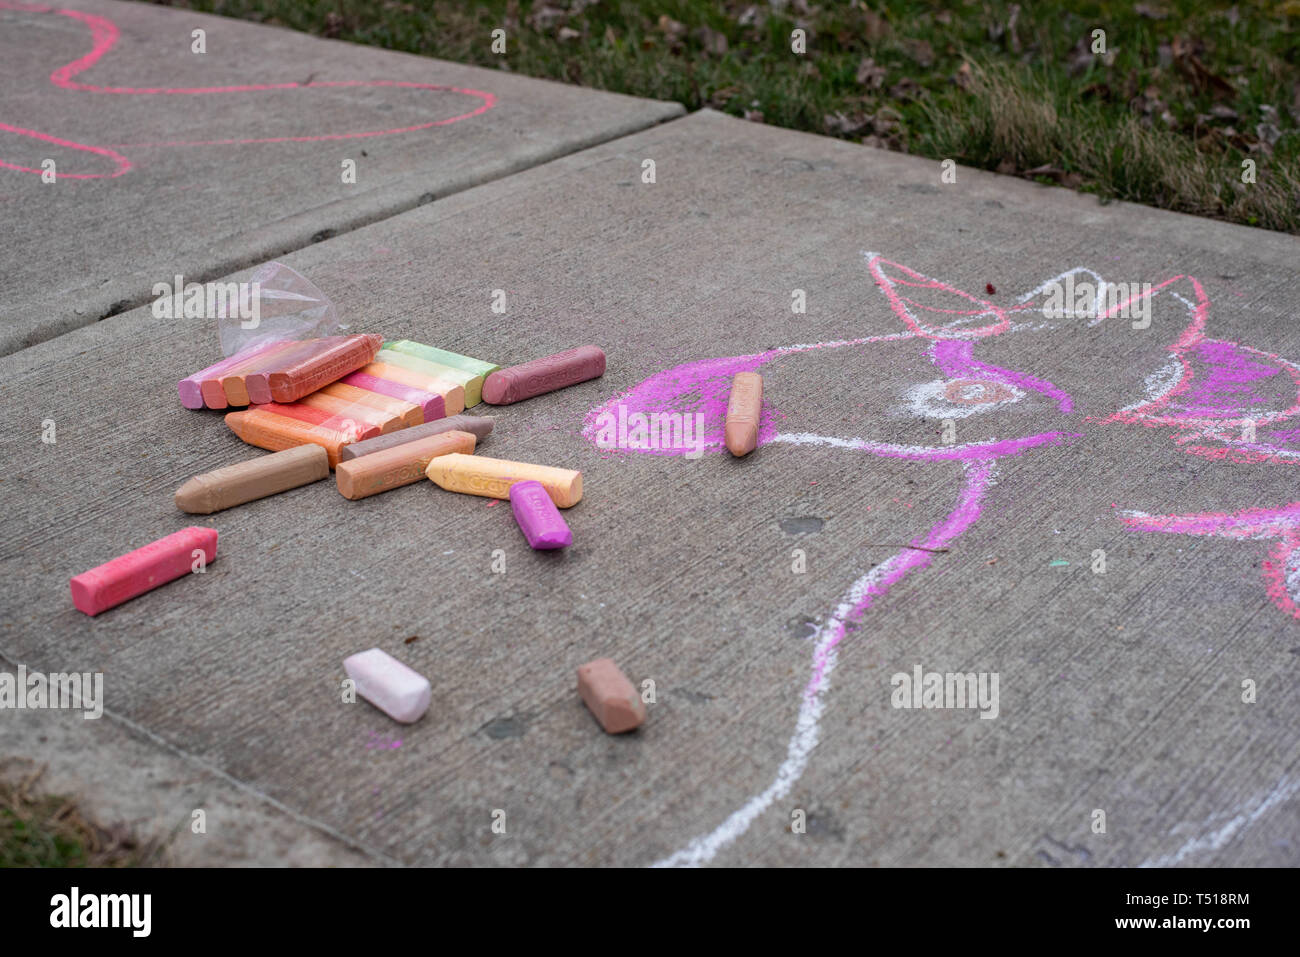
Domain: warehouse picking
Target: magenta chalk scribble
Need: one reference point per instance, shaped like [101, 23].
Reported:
[1225, 396]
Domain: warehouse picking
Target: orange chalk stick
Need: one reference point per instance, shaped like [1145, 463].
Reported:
[408, 412]
[453, 395]
[275, 433]
[398, 466]
[328, 365]
[337, 423]
[343, 409]
[492, 478]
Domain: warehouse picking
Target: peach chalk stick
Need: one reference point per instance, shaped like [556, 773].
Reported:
[354, 430]
[492, 478]
[389, 685]
[131, 575]
[398, 466]
[254, 479]
[329, 365]
[610, 696]
[477, 425]
[453, 395]
[353, 411]
[274, 432]
[540, 376]
[191, 387]
[408, 412]
[471, 382]
[743, 408]
[431, 406]
[443, 357]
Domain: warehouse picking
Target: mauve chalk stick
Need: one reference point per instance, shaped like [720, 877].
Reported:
[538, 518]
[476, 425]
[389, 685]
[610, 696]
[131, 575]
[517, 383]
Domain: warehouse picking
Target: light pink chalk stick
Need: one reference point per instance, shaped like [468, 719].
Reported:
[190, 388]
[144, 569]
[432, 406]
[389, 685]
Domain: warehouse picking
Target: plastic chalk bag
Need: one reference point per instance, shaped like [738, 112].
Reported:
[276, 304]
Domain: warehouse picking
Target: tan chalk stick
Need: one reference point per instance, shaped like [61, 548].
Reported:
[492, 478]
[253, 479]
[398, 466]
[743, 408]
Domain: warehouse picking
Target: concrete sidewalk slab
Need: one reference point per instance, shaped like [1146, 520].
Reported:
[170, 161]
[771, 600]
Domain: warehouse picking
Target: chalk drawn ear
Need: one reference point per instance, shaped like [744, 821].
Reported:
[931, 307]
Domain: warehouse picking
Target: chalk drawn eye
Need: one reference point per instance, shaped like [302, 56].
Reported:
[958, 398]
[977, 392]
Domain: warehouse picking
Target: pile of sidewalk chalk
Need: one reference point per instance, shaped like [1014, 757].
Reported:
[382, 415]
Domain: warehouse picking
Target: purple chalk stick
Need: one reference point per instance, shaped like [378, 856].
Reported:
[538, 518]
[433, 406]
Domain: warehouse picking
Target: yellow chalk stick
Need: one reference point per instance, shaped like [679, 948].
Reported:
[492, 478]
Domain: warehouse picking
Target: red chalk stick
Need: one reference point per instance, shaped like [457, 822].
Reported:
[314, 416]
[131, 575]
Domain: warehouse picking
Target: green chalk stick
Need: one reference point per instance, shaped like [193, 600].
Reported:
[443, 357]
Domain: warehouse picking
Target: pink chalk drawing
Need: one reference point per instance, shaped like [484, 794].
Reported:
[1210, 391]
[104, 35]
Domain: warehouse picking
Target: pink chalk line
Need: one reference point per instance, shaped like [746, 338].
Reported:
[104, 36]
[854, 605]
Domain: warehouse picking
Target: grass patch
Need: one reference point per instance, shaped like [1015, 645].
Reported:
[44, 830]
[1184, 92]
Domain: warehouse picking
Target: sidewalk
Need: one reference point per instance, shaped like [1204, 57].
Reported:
[1121, 690]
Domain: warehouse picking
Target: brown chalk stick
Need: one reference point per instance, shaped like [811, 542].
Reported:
[398, 466]
[253, 479]
[476, 425]
[743, 408]
[543, 375]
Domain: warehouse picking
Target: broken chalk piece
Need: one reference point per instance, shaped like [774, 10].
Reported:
[389, 685]
[398, 466]
[538, 518]
[492, 478]
[517, 383]
[131, 575]
[253, 479]
[610, 696]
[476, 425]
[743, 408]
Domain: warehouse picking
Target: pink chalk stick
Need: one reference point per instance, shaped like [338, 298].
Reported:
[131, 575]
[389, 685]
[433, 406]
[191, 387]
